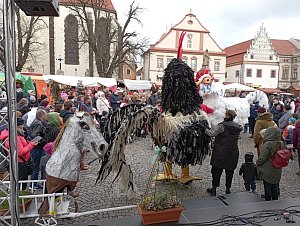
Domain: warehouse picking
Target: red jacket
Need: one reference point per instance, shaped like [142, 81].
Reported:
[207, 109]
[24, 147]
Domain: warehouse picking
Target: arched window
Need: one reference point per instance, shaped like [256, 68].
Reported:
[189, 43]
[71, 40]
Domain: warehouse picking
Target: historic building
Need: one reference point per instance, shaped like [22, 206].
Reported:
[196, 41]
[63, 53]
[261, 62]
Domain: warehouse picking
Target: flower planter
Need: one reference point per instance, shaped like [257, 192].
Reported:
[160, 216]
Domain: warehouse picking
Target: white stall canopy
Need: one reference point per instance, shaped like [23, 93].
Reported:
[86, 81]
[137, 84]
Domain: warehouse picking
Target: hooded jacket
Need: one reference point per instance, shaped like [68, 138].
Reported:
[264, 163]
[264, 120]
[65, 115]
[24, 147]
[225, 153]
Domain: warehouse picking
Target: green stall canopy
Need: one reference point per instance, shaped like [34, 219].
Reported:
[26, 81]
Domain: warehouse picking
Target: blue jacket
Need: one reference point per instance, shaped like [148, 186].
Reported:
[253, 110]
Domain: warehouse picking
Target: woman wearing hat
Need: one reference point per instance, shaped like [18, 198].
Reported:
[264, 120]
[24, 148]
[225, 153]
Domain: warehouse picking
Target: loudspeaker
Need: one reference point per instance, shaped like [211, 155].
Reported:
[39, 7]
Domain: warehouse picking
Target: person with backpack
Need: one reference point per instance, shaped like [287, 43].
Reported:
[270, 175]
[24, 148]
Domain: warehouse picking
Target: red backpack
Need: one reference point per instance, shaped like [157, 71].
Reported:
[281, 158]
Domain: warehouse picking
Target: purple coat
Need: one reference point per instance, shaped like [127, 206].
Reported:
[296, 136]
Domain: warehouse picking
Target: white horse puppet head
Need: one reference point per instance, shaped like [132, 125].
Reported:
[79, 134]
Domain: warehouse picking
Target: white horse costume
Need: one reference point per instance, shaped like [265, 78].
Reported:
[62, 170]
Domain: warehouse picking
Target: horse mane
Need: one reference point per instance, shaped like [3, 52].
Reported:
[60, 134]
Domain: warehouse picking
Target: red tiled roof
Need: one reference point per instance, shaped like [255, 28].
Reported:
[283, 47]
[238, 48]
[104, 4]
[235, 52]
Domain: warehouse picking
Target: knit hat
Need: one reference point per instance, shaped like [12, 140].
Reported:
[48, 148]
[261, 110]
[292, 120]
[20, 121]
[44, 103]
[249, 157]
[230, 113]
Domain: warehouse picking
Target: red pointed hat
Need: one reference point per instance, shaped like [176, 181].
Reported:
[203, 73]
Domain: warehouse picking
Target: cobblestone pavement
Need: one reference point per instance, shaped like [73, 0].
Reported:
[139, 155]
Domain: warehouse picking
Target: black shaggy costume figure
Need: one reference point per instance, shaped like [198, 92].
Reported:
[179, 92]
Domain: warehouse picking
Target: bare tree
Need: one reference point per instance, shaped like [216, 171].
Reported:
[109, 41]
[27, 44]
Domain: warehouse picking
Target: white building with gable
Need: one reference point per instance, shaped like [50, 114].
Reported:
[196, 41]
[254, 62]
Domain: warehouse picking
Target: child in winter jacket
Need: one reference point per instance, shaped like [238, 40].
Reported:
[287, 135]
[249, 172]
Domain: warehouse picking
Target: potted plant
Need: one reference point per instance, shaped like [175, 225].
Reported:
[159, 208]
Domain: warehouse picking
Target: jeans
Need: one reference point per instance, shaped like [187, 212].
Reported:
[250, 185]
[36, 155]
[216, 175]
[23, 174]
[251, 125]
[271, 191]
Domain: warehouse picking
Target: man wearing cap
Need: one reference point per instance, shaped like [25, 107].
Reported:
[225, 153]
[263, 121]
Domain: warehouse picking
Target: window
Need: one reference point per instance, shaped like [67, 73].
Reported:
[237, 73]
[295, 72]
[270, 57]
[128, 71]
[286, 60]
[217, 66]
[160, 63]
[71, 40]
[184, 59]
[273, 73]
[189, 43]
[285, 72]
[249, 72]
[258, 73]
[169, 60]
[225, 74]
[194, 64]
[251, 56]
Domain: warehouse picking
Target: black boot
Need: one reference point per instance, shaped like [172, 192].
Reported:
[212, 191]
[228, 191]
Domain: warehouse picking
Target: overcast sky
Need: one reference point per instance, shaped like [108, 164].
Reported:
[229, 21]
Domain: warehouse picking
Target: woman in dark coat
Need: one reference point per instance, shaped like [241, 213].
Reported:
[225, 153]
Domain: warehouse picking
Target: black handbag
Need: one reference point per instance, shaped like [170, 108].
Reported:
[28, 164]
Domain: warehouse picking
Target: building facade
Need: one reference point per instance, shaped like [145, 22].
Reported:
[196, 41]
[261, 62]
[63, 53]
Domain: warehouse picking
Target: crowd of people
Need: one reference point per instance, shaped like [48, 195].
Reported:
[272, 130]
[39, 121]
